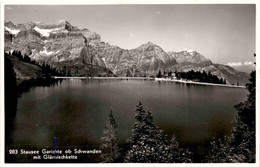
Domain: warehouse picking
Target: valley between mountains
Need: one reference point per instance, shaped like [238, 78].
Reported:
[81, 52]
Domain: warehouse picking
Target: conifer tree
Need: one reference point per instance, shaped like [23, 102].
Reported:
[219, 151]
[147, 141]
[185, 156]
[174, 152]
[177, 154]
[242, 140]
[240, 147]
[159, 75]
[110, 141]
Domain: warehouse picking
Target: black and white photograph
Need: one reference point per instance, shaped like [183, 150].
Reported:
[130, 83]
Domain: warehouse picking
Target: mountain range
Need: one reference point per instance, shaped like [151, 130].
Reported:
[81, 52]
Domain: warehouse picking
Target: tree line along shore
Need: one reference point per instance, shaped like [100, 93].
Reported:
[27, 69]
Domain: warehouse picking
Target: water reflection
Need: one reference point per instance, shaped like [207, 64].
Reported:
[75, 110]
[13, 91]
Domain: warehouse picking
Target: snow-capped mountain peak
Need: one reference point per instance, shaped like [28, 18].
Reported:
[65, 46]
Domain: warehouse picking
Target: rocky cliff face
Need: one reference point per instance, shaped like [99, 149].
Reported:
[82, 53]
[150, 58]
[61, 45]
[189, 57]
[145, 60]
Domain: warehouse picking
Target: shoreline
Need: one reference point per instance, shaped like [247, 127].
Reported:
[118, 78]
[155, 79]
[198, 83]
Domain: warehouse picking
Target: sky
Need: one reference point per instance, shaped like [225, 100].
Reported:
[223, 33]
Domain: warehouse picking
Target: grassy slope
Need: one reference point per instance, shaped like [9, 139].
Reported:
[25, 71]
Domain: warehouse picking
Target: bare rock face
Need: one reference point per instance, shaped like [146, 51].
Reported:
[151, 58]
[90, 35]
[60, 45]
[189, 57]
[82, 52]
[27, 35]
[145, 60]
[8, 37]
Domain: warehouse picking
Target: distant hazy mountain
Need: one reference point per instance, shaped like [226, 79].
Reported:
[189, 57]
[192, 60]
[82, 52]
[245, 68]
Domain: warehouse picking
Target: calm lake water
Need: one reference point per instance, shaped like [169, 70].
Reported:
[75, 111]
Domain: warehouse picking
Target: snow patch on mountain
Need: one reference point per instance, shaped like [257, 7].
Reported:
[189, 50]
[186, 50]
[63, 31]
[45, 41]
[46, 32]
[62, 59]
[104, 60]
[46, 52]
[12, 31]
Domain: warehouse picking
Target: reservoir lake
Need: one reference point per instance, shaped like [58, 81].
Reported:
[75, 112]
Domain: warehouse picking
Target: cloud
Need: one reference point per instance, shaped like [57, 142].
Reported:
[235, 64]
[246, 63]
